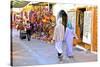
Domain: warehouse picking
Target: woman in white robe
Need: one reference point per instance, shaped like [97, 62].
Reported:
[59, 36]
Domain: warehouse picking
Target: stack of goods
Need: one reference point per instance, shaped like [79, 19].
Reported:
[43, 23]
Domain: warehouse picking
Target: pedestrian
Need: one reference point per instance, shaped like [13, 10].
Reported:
[28, 30]
[69, 36]
[58, 37]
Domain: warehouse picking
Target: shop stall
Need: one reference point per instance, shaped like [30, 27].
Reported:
[42, 20]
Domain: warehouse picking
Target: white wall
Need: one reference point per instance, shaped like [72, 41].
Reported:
[61, 6]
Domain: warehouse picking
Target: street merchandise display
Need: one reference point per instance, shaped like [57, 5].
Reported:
[42, 22]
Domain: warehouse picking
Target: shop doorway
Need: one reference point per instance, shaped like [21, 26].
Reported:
[81, 21]
[80, 26]
[63, 14]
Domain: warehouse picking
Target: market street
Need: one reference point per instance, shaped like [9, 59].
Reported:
[37, 52]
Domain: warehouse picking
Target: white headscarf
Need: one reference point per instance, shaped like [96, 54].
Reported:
[59, 21]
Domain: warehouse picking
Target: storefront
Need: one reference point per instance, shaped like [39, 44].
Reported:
[84, 21]
[86, 27]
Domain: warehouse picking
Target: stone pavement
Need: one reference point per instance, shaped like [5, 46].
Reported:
[37, 52]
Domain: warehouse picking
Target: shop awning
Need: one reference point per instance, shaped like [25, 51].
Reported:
[19, 4]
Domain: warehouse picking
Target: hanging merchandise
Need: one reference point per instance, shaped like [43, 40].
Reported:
[43, 21]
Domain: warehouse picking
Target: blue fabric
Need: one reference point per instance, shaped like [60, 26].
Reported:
[69, 24]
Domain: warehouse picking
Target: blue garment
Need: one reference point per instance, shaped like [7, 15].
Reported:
[69, 35]
[69, 24]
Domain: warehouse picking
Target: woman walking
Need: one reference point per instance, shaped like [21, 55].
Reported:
[59, 37]
[69, 36]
